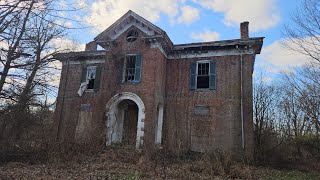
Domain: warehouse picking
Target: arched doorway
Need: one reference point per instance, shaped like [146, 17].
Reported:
[125, 119]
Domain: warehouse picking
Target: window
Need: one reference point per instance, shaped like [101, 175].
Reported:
[201, 110]
[91, 77]
[132, 68]
[203, 75]
[85, 107]
[132, 36]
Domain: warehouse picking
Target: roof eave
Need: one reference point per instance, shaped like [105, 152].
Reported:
[256, 43]
[79, 55]
[122, 18]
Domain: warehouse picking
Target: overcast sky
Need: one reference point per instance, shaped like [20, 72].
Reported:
[187, 21]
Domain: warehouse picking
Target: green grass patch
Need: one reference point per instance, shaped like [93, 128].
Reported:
[291, 175]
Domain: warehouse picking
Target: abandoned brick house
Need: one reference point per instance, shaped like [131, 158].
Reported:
[140, 89]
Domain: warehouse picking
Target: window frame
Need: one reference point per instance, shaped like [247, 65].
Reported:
[197, 68]
[87, 77]
[193, 75]
[125, 68]
[135, 80]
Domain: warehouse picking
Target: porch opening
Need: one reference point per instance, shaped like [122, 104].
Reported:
[158, 125]
[125, 113]
[129, 111]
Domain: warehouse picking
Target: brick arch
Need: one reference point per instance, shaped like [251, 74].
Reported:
[112, 111]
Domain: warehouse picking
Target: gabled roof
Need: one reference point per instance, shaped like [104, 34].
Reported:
[124, 23]
[160, 40]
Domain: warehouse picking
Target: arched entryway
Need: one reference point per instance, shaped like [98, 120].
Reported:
[125, 119]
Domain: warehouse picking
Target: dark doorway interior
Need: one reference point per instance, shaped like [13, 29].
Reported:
[130, 122]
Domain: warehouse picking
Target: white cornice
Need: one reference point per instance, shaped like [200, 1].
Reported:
[88, 61]
[125, 22]
[159, 46]
[116, 33]
[211, 53]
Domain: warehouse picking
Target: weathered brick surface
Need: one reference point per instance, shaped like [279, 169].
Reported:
[151, 90]
[221, 128]
[164, 81]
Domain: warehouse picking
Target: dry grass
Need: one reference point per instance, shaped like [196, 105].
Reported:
[125, 163]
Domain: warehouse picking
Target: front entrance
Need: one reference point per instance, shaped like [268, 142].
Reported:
[130, 121]
[125, 120]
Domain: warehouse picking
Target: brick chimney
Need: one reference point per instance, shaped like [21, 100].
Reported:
[91, 46]
[244, 30]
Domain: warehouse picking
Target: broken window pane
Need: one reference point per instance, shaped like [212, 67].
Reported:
[130, 68]
[91, 75]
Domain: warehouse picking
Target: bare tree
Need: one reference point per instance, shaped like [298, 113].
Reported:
[27, 56]
[13, 29]
[10, 10]
[303, 33]
[301, 102]
[17, 52]
[265, 119]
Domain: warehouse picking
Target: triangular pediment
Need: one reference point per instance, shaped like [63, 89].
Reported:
[124, 23]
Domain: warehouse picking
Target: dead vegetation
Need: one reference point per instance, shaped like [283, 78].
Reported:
[123, 162]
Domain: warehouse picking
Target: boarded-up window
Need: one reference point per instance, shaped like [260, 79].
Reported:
[85, 107]
[201, 110]
[83, 128]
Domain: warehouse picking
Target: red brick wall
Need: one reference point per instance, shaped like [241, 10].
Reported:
[166, 82]
[222, 127]
[151, 89]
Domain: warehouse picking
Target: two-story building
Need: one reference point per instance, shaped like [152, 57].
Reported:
[141, 89]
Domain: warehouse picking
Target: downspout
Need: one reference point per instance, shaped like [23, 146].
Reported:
[62, 104]
[241, 98]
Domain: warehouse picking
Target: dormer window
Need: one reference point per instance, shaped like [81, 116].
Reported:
[132, 36]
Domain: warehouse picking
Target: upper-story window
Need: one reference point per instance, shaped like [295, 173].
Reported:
[132, 68]
[203, 75]
[90, 78]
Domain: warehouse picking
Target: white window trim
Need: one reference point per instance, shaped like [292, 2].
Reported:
[125, 68]
[196, 80]
[90, 67]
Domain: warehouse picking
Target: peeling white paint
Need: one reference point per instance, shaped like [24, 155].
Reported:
[213, 53]
[159, 46]
[125, 22]
[114, 123]
[198, 54]
[159, 123]
[88, 61]
[127, 26]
